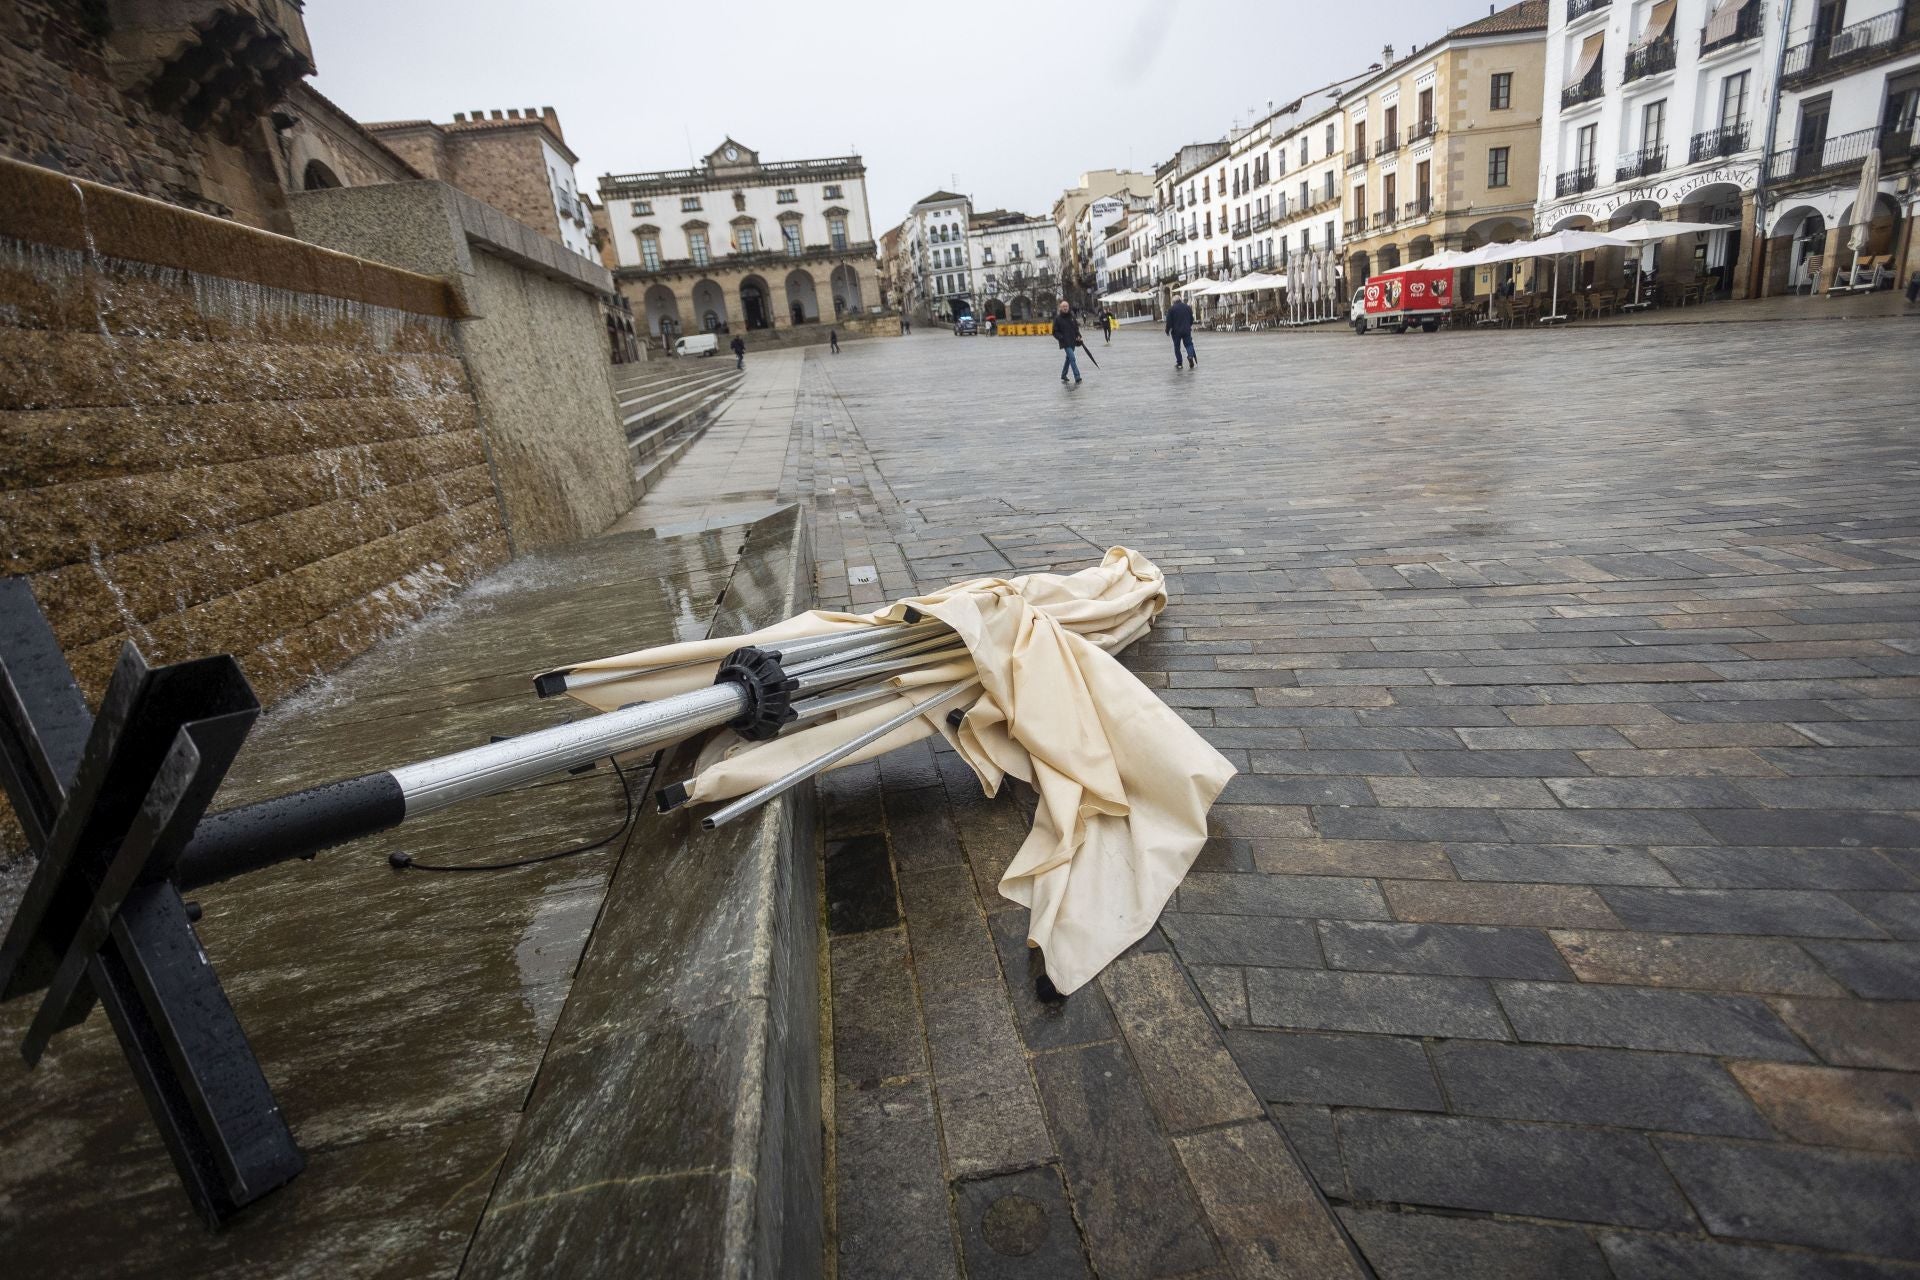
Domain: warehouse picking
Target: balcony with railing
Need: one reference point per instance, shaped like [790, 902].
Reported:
[1725, 31]
[1419, 208]
[1424, 129]
[1837, 155]
[1572, 184]
[1577, 9]
[1649, 59]
[1643, 163]
[1358, 156]
[1587, 88]
[1387, 145]
[1384, 218]
[1241, 230]
[1851, 45]
[1356, 226]
[1715, 144]
[1262, 220]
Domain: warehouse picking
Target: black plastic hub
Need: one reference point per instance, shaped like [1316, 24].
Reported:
[769, 687]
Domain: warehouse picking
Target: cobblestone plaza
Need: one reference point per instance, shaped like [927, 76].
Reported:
[1565, 916]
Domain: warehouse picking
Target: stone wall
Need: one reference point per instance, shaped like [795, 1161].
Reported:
[214, 439]
[533, 335]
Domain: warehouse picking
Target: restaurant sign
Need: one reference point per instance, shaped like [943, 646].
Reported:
[1668, 193]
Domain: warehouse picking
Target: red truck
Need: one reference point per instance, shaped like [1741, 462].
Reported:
[1399, 300]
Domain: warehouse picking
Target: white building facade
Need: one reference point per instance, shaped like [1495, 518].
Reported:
[1851, 87]
[939, 286]
[737, 243]
[1016, 264]
[1659, 108]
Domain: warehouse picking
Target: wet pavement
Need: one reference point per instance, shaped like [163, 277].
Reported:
[1565, 917]
[400, 1018]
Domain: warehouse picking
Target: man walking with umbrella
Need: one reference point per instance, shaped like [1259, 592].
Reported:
[1066, 332]
[1180, 329]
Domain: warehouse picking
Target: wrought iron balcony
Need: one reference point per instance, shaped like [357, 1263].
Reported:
[1728, 139]
[1649, 59]
[1839, 154]
[1358, 156]
[1746, 26]
[1356, 226]
[1424, 129]
[1587, 89]
[1387, 145]
[1383, 219]
[1419, 208]
[1581, 8]
[1242, 230]
[1850, 45]
[1643, 163]
[1262, 220]
[1572, 184]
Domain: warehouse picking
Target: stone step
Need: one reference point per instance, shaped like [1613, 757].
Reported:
[655, 453]
[642, 420]
[642, 398]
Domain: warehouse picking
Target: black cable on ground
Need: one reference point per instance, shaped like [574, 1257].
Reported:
[404, 861]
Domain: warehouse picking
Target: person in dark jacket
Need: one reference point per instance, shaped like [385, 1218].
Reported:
[1106, 326]
[833, 341]
[1066, 332]
[739, 346]
[1180, 329]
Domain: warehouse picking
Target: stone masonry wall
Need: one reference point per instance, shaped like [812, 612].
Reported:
[214, 439]
[507, 169]
[60, 108]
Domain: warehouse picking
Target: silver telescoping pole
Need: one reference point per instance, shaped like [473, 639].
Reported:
[808, 650]
[787, 781]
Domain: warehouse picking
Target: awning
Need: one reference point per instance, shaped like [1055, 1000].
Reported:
[1723, 22]
[1253, 282]
[1589, 56]
[1654, 229]
[1659, 20]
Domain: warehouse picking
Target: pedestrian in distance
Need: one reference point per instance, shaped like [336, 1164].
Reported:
[1106, 326]
[1066, 332]
[833, 341]
[906, 326]
[1180, 329]
[739, 345]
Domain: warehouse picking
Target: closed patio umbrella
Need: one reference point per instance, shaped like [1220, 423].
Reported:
[1651, 229]
[1864, 200]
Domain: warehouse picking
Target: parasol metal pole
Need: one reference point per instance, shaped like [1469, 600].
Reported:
[840, 676]
[787, 781]
[564, 681]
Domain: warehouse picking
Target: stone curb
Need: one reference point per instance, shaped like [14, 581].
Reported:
[675, 1125]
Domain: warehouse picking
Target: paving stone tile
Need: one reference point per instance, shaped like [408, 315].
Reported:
[1310, 1133]
[1257, 820]
[1495, 764]
[1465, 793]
[1852, 1201]
[1848, 1033]
[1424, 1246]
[1832, 793]
[1509, 1167]
[1189, 1076]
[920, 830]
[891, 1215]
[1406, 824]
[876, 1022]
[1543, 738]
[1710, 736]
[1337, 1070]
[1545, 906]
[1224, 988]
[1273, 941]
[1837, 1107]
[1557, 864]
[1383, 739]
[1647, 793]
[946, 929]
[1659, 1257]
[1768, 712]
[859, 886]
[1778, 912]
[1602, 826]
[908, 768]
[1873, 970]
[1609, 713]
[1019, 1226]
[1384, 1003]
[1405, 860]
[1461, 950]
[1783, 868]
[1270, 1219]
[850, 801]
[1441, 717]
[1045, 1021]
[1334, 897]
[1331, 763]
[1897, 913]
[989, 1115]
[1294, 789]
[1136, 1214]
[1719, 762]
[1899, 762]
[1762, 966]
[1617, 1087]
[1611, 1017]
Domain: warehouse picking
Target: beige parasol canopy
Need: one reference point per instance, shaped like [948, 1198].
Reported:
[1124, 784]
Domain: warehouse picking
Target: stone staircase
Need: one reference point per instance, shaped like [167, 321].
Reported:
[665, 405]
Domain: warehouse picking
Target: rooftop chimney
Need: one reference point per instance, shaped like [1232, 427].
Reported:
[459, 117]
[513, 113]
[1386, 57]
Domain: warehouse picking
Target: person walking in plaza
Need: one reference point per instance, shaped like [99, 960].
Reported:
[833, 341]
[1106, 326]
[1066, 332]
[1180, 329]
[739, 345]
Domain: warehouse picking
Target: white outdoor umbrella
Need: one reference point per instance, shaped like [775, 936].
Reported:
[1652, 229]
[1863, 201]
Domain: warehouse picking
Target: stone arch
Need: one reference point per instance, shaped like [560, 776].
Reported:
[1022, 307]
[1045, 301]
[995, 308]
[319, 176]
[1359, 267]
[709, 306]
[662, 309]
[845, 284]
[1389, 256]
[803, 300]
[1420, 247]
[756, 303]
[1883, 225]
[1798, 241]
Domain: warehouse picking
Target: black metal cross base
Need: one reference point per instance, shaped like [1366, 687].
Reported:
[108, 804]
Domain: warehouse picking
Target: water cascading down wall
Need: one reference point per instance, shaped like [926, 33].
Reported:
[214, 439]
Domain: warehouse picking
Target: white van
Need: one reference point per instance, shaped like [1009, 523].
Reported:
[698, 344]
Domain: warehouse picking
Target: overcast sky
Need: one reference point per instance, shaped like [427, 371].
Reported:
[1005, 101]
